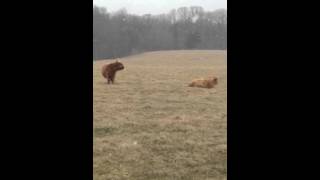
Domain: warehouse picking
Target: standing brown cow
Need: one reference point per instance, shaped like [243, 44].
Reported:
[109, 70]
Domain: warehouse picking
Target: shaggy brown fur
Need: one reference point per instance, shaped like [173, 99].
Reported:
[109, 70]
[209, 82]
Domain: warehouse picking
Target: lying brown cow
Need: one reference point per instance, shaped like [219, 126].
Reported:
[109, 70]
[209, 82]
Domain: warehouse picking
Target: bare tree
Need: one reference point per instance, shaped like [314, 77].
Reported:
[120, 34]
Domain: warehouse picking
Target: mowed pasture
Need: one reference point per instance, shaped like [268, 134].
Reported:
[150, 125]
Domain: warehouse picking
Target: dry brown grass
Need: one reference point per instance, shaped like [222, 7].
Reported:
[151, 125]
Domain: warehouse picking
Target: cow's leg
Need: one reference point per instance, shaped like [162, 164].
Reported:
[112, 78]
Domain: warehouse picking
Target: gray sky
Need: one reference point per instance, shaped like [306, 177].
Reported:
[140, 7]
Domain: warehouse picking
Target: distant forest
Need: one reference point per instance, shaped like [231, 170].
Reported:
[120, 34]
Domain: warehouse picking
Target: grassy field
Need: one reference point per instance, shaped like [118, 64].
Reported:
[150, 125]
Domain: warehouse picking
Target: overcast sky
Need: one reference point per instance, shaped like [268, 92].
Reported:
[140, 7]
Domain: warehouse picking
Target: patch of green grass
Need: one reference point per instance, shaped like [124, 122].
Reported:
[103, 131]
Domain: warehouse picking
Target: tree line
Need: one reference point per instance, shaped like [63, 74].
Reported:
[120, 34]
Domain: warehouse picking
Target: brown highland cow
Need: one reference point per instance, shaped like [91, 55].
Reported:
[209, 82]
[109, 70]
